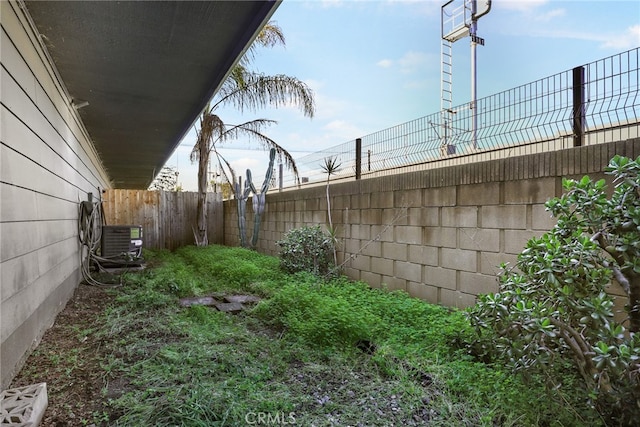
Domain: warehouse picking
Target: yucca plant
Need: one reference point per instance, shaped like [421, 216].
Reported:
[331, 167]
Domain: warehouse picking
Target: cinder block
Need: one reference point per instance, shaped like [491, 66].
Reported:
[408, 198]
[479, 194]
[361, 231]
[529, 191]
[395, 251]
[479, 239]
[361, 201]
[395, 216]
[361, 262]
[490, 262]
[476, 284]
[541, 219]
[511, 216]
[315, 204]
[350, 216]
[352, 273]
[425, 255]
[516, 240]
[352, 246]
[382, 199]
[341, 202]
[439, 277]
[23, 406]
[371, 216]
[320, 217]
[374, 280]
[439, 237]
[456, 299]
[408, 271]
[373, 249]
[430, 217]
[466, 216]
[382, 266]
[413, 217]
[441, 196]
[382, 233]
[394, 283]
[424, 292]
[408, 234]
[308, 218]
[459, 259]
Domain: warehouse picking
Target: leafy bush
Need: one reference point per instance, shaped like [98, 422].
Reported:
[307, 249]
[554, 305]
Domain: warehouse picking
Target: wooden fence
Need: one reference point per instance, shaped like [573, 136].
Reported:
[167, 217]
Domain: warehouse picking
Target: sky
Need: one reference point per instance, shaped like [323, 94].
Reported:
[374, 64]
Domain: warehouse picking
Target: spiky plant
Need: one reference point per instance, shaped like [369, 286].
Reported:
[331, 167]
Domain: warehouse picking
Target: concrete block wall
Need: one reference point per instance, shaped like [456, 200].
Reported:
[438, 234]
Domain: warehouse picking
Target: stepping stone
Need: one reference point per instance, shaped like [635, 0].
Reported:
[230, 307]
[242, 299]
[23, 406]
[188, 302]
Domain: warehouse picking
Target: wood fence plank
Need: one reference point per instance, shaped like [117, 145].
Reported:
[167, 217]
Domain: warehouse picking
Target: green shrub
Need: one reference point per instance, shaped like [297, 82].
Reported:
[554, 306]
[307, 249]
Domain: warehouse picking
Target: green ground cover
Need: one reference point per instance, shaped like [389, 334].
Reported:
[311, 353]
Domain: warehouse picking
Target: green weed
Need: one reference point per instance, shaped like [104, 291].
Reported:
[324, 353]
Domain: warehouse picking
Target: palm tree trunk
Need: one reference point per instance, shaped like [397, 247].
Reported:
[201, 220]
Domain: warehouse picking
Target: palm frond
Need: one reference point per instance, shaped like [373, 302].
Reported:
[255, 91]
[269, 36]
[253, 130]
[221, 159]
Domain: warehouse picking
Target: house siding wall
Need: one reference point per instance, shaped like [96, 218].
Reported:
[47, 165]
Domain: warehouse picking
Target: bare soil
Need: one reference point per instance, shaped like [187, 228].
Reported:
[69, 360]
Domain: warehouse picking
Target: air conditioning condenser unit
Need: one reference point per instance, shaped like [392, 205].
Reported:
[121, 243]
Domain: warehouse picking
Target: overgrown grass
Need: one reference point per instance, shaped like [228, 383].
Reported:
[334, 353]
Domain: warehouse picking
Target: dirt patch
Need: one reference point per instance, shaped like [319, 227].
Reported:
[69, 360]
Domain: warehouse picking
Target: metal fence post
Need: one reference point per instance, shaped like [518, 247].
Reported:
[578, 106]
[358, 158]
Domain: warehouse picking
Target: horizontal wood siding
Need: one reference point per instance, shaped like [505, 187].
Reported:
[167, 217]
[47, 165]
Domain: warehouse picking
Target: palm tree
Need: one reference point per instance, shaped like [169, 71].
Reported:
[246, 90]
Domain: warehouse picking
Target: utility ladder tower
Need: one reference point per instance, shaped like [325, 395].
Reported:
[446, 68]
[458, 20]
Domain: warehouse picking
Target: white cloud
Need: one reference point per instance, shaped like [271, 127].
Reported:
[342, 129]
[413, 61]
[550, 15]
[409, 63]
[242, 164]
[417, 84]
[627, 40]
[525, 6]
